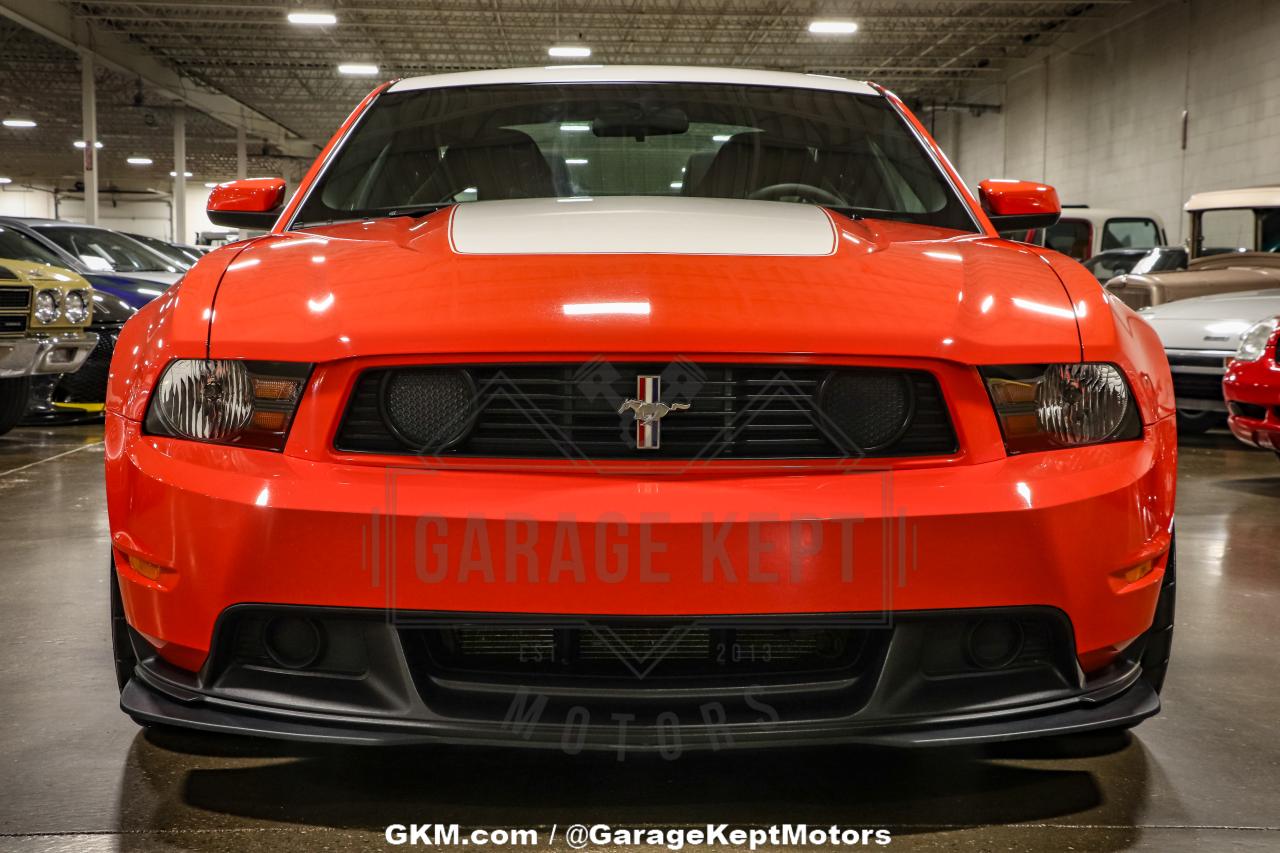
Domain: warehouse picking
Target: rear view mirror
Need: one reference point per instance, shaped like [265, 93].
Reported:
[1017, 205]
[639, 121]
[254, 203]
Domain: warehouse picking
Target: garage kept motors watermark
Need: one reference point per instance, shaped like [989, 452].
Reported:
[589, 681]
[579, 836]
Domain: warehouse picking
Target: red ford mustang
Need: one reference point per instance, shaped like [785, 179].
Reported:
[1252, 387]
[647, 408]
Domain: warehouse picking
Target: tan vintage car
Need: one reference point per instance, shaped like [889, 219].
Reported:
[1234, 246]
[44, 314]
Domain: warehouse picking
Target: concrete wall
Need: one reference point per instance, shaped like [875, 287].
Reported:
[25, 201]
[1104, 123]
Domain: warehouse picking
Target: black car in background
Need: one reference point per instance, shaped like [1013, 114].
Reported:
[1113, 262]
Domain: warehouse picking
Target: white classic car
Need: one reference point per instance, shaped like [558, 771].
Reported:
[1200, 335]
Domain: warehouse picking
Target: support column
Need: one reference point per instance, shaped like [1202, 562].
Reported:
[242, 167]
[242, 154]
[179, 176]
[89, 116]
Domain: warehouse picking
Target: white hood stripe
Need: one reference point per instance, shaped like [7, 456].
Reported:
[641, 225]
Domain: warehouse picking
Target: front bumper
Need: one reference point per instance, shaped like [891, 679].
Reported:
[391, 679]
[1084, 531]
[63, 352]
[1252, 392]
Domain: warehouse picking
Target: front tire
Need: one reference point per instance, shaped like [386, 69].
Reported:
[1198, 423]
[13, 401]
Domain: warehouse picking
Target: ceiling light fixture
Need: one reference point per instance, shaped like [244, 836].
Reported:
[19, 122]
[175, 174]
[6, 180]
[566, 51]
[358, 69]
[576, 161]
[138, 161]
[313, 19]
[79, 143]
[833, 28]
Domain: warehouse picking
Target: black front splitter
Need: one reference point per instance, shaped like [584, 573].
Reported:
[1120, 709]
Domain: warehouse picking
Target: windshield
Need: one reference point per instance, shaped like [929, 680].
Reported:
[16, 246]
[118, 252]
[418, 149]
[171, 253]
[1237, 230]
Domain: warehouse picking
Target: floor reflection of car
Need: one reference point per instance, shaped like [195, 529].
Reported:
[1234, 246]
[1200, 336]
[116, 298]
[1083, 232]
[1252, 385]
[1113, 262]
[103, 250]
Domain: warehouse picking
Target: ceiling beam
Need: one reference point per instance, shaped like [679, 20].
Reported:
[54, 22]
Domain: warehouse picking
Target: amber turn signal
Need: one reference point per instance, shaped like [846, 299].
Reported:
[148, 570]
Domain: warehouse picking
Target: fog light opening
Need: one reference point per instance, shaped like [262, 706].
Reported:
[293, 642]
[995, 643]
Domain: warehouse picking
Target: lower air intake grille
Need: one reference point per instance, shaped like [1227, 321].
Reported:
[734, 411]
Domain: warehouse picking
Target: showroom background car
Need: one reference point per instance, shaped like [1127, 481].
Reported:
[1252, 384]
[116, 298]
[1200, 337]
[439, 308]
[44, 312]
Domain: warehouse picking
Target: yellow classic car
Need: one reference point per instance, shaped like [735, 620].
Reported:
[44, 314]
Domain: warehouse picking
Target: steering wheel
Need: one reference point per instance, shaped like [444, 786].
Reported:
[808, 192]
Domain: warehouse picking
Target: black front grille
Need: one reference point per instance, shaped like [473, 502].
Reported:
[1197, 386]
[1247, 410]
[89, 383]
[596, 649]
[551, 411]
[15, 297]
[13, 323]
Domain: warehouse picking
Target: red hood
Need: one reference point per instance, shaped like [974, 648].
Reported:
[399, 285]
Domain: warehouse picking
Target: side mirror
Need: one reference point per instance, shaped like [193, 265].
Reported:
[253, 203]
[1015, 205]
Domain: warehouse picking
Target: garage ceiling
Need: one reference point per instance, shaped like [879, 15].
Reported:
[923, 49]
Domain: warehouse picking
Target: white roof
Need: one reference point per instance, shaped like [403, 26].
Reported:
[635, 74]
[1249, 197]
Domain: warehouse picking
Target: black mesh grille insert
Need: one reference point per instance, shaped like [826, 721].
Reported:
[553, 411]
[15, 297]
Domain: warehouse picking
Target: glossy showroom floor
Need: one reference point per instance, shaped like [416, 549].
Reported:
[75, 774]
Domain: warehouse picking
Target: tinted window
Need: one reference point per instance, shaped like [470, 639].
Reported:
[1107, 265]
[122, 253]
[16, 246]
[1130, 234]
[1071, 237]
[479, 143]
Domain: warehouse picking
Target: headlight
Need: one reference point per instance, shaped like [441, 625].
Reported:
[1254, 343]
[1042, 407]
[76, 307]
[48, 306]
[250, 403]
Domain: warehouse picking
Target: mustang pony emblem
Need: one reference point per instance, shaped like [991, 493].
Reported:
[649, 410]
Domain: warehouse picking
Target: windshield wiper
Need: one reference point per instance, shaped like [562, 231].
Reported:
[420, 210]
[358, 215]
